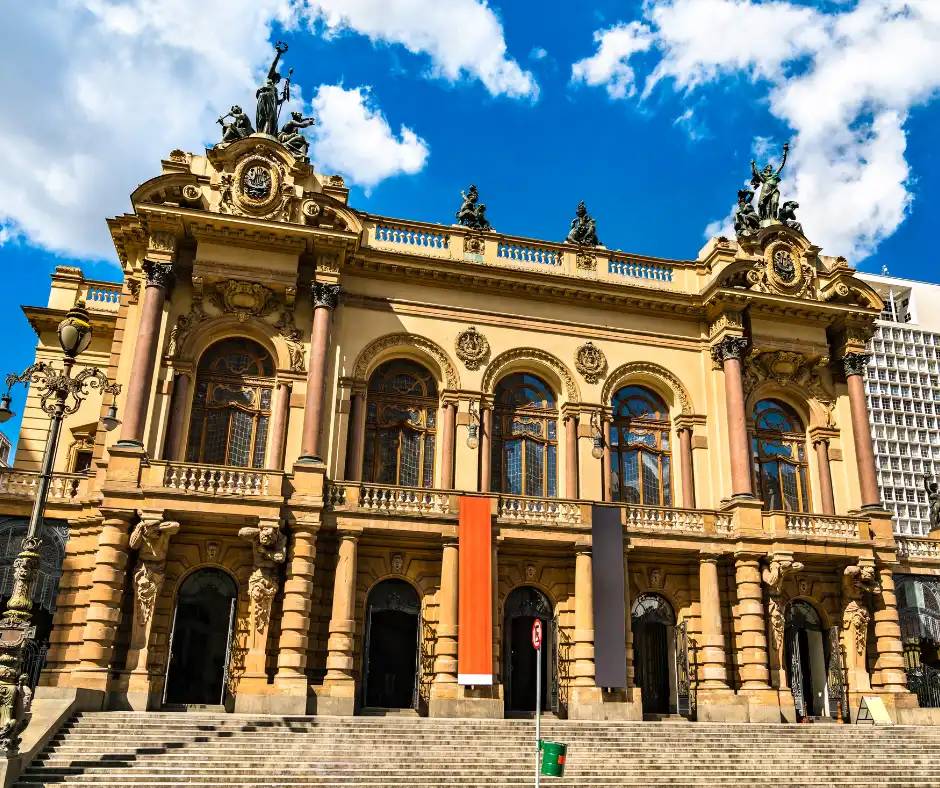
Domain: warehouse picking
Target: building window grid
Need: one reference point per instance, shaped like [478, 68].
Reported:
[902, 385]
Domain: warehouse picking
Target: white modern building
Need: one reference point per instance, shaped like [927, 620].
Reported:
[5, 448]
[903, 389]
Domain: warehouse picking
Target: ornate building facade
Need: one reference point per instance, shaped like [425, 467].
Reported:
[312, 393]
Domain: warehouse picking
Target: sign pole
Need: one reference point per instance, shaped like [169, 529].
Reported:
[537, 643]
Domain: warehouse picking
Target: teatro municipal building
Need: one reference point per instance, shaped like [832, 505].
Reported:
[359, 456]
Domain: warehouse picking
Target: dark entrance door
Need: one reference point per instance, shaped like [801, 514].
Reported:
[523, 606]
[806, 648]
[653, 624]
[391, 653]
[200, 642]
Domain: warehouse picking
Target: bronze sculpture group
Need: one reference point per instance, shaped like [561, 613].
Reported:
[769, 211]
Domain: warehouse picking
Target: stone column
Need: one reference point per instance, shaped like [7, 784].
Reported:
[103, 614]
[730, 351]
[291, 678]
[628, 605]
[854, 365]
[278, 434]
[712, 652]
[608, 489]
[448, 430]
[355, 444]
[445, 659]
[340, 676]
[685, 465]
[752, 628]
[571, 456]
[582, 673]
[172, 450]
[325, 298]
[159, 278]
[486, 447]
[825, 475]
[889, 675]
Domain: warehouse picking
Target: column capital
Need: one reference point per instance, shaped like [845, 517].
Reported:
[730, 348]
[158, 274]
[325, 295]
[855, 363]
[349, 534]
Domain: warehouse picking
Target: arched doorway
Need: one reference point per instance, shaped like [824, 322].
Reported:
[654, 656]
[523, 605]
[806, 659]
[391, 647]
[201, 639]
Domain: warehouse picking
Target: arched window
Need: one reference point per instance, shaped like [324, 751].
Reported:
[232, 405]
[401, 424]
[640, 454]
[779, 447]
[525, 437]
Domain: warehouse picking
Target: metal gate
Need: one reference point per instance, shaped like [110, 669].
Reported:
[924, 681]
[796, 670]
[683, 677]
[837, 680]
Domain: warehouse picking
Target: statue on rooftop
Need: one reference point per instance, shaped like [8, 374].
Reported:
[746, 219]
[583, 229]
[238, 129]
[769, 181]
[787, 215]
[933, 498]
[291, 138]
[269, 103]
[472, 214]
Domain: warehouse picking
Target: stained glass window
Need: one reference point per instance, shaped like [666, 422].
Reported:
[779, 447]
[231, 405]
[639, 448]
[524, 441]
[401, 419]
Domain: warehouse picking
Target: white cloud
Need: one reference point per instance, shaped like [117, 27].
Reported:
[354, 138]
[538, 53]
[610, 65]
[844, 81]
[96, 92]
[462, 37]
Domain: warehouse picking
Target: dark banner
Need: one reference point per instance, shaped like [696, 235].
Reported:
[610, 627]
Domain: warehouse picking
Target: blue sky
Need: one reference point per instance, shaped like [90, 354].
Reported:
[650, 112]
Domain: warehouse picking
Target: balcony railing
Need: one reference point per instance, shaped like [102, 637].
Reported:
[821, 525]
[404, 500]
[65, 487]
[220, 480]
[917, 548]
[520, 509]
[102, 296]
[649, 518]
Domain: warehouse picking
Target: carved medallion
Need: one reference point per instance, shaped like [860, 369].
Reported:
[473, 244]
[256, 183]
[590, 361]
[472, 348]
[244, 299]
[257, 187]
[586, 261]
[783, 266]
[785, 271]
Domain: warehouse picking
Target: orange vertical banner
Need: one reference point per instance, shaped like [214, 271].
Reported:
[475, 609]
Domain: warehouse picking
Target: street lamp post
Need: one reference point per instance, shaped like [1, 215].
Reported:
[60, 395]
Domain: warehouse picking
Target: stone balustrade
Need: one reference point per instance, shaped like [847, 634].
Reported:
[655, 518]
[65, 487]
[917, 549]
[102, 296]
[220, 480]
[402, 500]
[819, 525]
[520, 509]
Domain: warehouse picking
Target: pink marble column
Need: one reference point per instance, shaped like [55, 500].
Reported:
[825, 476]
[608, 471]
[730, 352]
[357, 435]
[174, 435]
[854, 364]
[486, 448]
[571, 456]
[685, 467]
[278, 435]
[325, 297]
[159, 278]
[448, 429]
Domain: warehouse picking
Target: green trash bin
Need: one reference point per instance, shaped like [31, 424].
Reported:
[553, 758]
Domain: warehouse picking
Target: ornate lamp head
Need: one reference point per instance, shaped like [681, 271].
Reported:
[473, 440]
[598, 450]
[75, 330]
[111, 421]
[5, 413]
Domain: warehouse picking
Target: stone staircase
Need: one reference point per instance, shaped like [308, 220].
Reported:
[174, 749]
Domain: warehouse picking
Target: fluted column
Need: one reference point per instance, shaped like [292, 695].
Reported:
[571, 456]
[854, 365]
[730, 351]
[278, 434]
[445, 660]
[159, 278]
[685, 467]
[298, 600]
[825, 475]
[582, 674]
[712, 653]
[339, 660]
[752, 627]
[355, 444]
[448, 430]
[174, 436]
[486, 447]
[103, 612]
[889, 674]
[325, 298]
